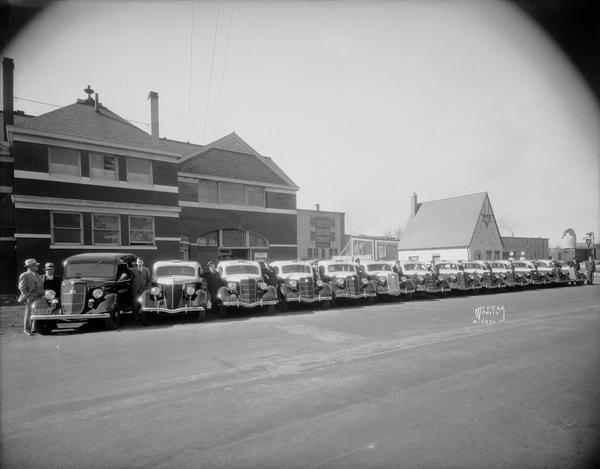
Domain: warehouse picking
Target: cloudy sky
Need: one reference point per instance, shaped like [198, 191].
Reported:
[360, 103]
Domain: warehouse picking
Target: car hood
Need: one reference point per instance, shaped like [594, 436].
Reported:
[175, 280]
[240, 277]
[295, 276]
[89, 282]
[380, 273]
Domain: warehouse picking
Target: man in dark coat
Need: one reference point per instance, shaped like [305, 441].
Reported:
[141, 280]
[591, 268]
[31, 287]
[51, 280]
[213, 283]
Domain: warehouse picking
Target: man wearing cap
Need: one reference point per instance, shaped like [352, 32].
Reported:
[213, 283]
[141, 280]
[51, 280]
[31, 287]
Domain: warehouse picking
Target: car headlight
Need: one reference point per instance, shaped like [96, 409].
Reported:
[155, 291]
[421, 278]
[190, 290]
[293, 284]
[49, 294]
[471, 277]
[453, 277]
[98, 293]
[382, 280]
[403, 278]
[364, 281]
[340, 282]
[320, 283]
[262, 285]
[232, 286]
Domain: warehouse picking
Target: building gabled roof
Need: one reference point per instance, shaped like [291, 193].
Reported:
[81, 120]
[443, 223]
[231, 157]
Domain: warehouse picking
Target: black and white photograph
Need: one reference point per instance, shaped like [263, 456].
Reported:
[300, 234]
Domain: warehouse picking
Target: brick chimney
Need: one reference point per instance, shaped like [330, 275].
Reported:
[7, 94]
[153, 97]
[413, 204]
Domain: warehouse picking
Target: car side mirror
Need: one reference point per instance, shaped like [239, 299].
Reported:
[123, 277]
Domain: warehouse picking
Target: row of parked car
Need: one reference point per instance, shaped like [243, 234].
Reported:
[96, 287]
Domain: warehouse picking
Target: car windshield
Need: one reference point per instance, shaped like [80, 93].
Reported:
[472, 265]
[340, 268]
[521, 264]
[104, 269]
[498, 265]
[415, 267]
[447, 265]
[295, 268]
[544, 264]
[166, 270]
[375, 267]
[241, 269]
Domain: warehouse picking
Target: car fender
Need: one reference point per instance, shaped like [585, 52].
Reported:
[270, 293]
[201, 298]
[224, 292]
[325, 290]
[107, 303]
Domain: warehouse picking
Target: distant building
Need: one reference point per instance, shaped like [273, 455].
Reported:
[379, 248]
[533, 248]
[462, 227]
[320, 233]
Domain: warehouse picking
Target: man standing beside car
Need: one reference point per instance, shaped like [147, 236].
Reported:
[31, 287]
[591, 268]
[141, 280]
[51, 280]
[213, 283]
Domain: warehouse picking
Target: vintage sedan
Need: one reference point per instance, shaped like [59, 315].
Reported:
[346, 281]
[484, 272]
[456, 277]
[388, 282]
[505, 270]
[245, 287]
[297, 283]
[526, 273]
[573, 277]
[425, 280]
[96, 287]
[549, 272]
[177, 289]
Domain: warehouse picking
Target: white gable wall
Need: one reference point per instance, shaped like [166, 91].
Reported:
[425, 255]
[486, 243]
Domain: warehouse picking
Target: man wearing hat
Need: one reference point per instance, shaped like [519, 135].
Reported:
[141, 280]
[213, 283]
[31, 287]
[51, 280]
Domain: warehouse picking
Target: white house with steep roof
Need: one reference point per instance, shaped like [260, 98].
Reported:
[462, 227]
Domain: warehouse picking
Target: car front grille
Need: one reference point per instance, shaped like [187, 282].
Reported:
[73, 298]
[461, 279]
[393, 282]
[248, 290]
[307, 288]
[173, 295]
[352, 285]
[430, 282]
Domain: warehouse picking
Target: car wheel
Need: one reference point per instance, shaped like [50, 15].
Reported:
[370, 300]
[325, 304]
[112, 323]
[270, 310]
[146, 318]
[283, 305]
[44, 327]
[222, 311]
[199, 316]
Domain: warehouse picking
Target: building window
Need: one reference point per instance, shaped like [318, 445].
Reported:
[66, 228]
[496, 254]
[233, 194]
[323, 256]
[332, 236]
[313, 221]
[139, 170]
[488, 255]
[233, 238]
[312, 236]
[332, 221]
[256, 240]
[141, 230]
[255, 196]
[188, 191]
[334, 252]
[106, 229]
[65, 161]
[104, 167]
[208, 192]
[209, 239]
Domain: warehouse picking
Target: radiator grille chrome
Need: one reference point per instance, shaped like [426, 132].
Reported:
[248, 290]
[307, 287]
[73, 298]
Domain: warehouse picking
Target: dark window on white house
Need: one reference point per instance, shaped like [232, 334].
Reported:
[104, 167]
[139, 170]
[64, 161]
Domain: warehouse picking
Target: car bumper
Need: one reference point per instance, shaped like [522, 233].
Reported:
[308, 300]
[355, 296]
[185, 309]
[241, 304]
[69, 317]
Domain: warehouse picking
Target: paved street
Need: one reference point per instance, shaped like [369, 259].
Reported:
[397, 384]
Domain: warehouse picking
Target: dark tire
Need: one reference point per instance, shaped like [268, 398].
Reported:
[370, 300]
[112, 323]
[269, 310]
[146, 318]
[325, 304]
[283, 305]
[222, 311]
[44, 327]
[199, 316]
